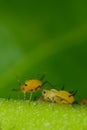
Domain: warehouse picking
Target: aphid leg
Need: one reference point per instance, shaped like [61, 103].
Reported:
[53, 103]
[24, 95]
[30, 96]
[18, 81]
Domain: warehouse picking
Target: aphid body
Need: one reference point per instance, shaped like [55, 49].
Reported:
[60, 97]
[30, 86]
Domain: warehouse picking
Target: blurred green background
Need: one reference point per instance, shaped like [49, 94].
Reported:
[43, 36]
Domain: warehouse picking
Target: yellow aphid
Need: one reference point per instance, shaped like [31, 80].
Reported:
[60, 97]
[31, 86]
[84, 102]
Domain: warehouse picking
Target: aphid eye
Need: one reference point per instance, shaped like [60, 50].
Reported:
[44, 92]
[25, 84]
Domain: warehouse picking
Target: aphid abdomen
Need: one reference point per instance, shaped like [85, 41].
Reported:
[67, 97]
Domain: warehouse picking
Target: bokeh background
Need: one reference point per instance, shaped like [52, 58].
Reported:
[39, 37]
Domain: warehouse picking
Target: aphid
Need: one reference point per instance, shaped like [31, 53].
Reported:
[31, 86]
[83, 101]
[60, 97]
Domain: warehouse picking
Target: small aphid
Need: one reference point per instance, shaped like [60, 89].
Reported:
[31, 86]
[83, 101]
[60, 97]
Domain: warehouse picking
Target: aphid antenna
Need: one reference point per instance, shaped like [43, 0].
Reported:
[42, 77]
[19, 82]
[47, 82]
